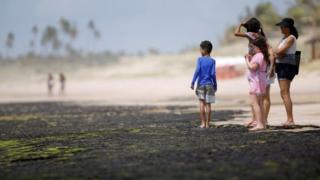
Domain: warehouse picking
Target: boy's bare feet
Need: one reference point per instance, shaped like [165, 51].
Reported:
[202, 126]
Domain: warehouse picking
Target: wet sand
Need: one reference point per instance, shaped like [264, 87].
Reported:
[145, 127]
[63, 140]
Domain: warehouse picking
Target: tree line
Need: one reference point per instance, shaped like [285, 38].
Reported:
[306, 14]
[54, 39]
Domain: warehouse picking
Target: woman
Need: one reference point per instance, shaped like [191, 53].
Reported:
[254, 31]
[286, 64]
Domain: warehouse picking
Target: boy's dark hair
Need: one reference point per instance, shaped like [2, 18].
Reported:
[206, 46]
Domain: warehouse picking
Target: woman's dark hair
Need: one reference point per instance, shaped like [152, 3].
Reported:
[294, 31]
[207, 46]
[289, 23]
[261, 43]
[254, 25]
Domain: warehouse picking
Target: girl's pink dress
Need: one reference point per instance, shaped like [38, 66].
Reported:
[258, 79]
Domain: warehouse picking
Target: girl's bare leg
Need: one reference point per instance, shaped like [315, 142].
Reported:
[253, 121]
[266, 105]
[261, 105]
[257, 107]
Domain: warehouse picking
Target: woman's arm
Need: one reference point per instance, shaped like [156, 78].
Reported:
[282, 51]
[272, 59]
[238, 32]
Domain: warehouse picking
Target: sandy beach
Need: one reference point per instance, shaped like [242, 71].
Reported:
[141, 85]
[138, 119]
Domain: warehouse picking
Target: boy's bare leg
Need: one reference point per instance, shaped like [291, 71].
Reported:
[208, 114]
[202, 113]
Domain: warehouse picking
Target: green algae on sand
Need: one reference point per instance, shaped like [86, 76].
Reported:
[16, 150]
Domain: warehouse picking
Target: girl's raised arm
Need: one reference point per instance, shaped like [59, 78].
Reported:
[238, 32]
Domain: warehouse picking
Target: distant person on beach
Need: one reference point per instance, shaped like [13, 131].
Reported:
[286, 64]
[257, 78]
[62, 79]
[205, 76]
[50, 84]
[254, 31]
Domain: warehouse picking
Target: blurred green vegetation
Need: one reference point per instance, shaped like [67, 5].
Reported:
[306, 14]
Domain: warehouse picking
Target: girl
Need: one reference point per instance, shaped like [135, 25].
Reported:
[286, 64]
[257, 77]
[254, 31]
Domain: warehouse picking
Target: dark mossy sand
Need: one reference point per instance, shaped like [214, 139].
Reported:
[65, 141]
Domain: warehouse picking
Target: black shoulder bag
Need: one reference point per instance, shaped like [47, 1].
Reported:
[297, 59]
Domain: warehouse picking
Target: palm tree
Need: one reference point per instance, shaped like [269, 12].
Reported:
[65, 25]
[73, 34]
[10, 41]
[32, 43]
[70, 31]
[50, 36]
[92, 27]
[97, 34]
[306, 12]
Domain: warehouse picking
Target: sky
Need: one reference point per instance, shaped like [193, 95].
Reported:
[126, 25]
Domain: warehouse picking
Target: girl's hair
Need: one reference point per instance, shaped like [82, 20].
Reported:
[254, 25]
[261, 43]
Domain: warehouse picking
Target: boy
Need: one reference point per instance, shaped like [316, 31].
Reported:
[205, 75]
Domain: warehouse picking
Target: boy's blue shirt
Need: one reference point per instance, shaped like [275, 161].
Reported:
[205, 73]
